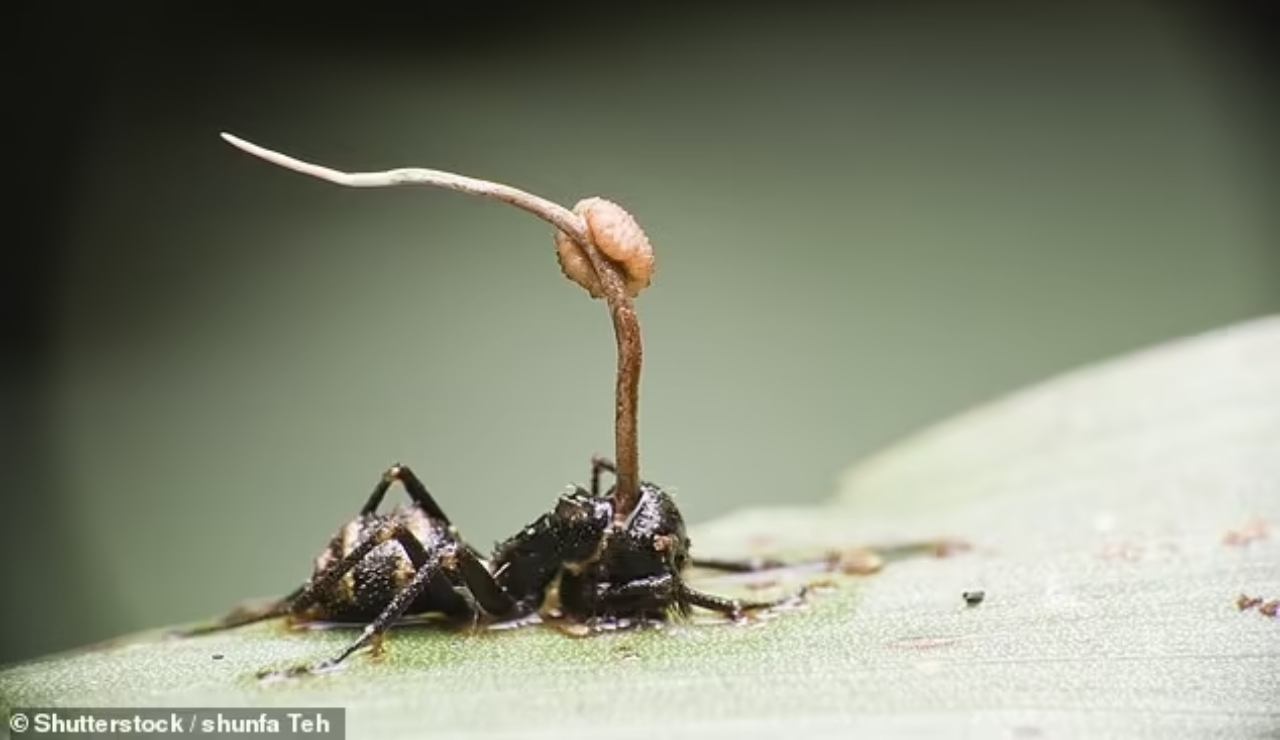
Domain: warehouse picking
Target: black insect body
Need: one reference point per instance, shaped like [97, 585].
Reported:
[638, 569]
[528, 563]
[380, 567]
[386, 567]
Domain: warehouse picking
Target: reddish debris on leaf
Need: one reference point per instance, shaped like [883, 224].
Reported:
[947, 548]
[1254, 529]
[1129, 552]
[859, 561]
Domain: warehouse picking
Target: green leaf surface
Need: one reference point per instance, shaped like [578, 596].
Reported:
[1115, 516]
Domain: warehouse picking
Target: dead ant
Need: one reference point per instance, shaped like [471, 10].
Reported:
[614, 556]
[380, 567]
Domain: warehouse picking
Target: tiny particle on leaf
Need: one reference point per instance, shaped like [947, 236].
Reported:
[217, 656]
[1254, 529]
[858, 561]
[1129, 552]
[1244, 601]
[947, 548]
[818, 585]
[973, 598]
[626, 652]
[1271, 608]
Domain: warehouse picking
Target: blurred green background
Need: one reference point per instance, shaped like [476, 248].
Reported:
[865, 220]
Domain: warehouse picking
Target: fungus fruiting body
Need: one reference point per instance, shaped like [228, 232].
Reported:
[600, 247]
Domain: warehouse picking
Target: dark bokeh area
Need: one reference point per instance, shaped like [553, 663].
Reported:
[866, 219]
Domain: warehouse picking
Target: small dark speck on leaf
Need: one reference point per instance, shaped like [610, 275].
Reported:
[973, 598]
[1245, 602]
[217, 656]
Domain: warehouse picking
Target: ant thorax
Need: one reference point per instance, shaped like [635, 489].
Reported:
[574, 532]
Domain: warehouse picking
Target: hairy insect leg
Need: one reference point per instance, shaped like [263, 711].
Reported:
[393, 611]
[745, 565]
[852, 561]
[462, 568]
[418, 492]
[657, 588]
[472, 574]
[599, 464]
[240, 616]
[321, 582]
[646, 595]
[732, 608]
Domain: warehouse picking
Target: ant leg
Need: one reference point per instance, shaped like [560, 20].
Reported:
[598, 464]
[854, 561]
[460, 567]
[325, 579]
[393, 611]
[465, 571]
[418, 493]
[470, 573]
[746, 565]
[644, 596]
[659, 585]
[241, 616]
[732, 608]
[652, 593]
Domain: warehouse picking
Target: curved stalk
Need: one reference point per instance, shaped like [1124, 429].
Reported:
[626, 324]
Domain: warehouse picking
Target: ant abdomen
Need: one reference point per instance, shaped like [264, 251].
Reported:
[364, 591]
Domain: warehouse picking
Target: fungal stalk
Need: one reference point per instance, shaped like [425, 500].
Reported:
[600, 247]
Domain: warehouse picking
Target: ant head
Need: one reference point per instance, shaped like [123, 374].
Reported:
[657, 523]
[581, 521]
